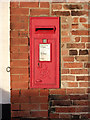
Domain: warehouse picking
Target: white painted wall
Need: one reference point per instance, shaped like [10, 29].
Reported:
[4, 52]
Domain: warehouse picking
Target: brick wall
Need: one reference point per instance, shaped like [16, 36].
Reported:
[71, 99]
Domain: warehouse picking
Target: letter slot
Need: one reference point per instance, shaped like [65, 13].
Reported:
[44, 52]
[45, 30]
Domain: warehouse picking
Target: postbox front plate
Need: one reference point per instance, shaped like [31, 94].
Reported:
[44, 52]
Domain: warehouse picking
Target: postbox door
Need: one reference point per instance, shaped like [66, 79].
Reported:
[44, 59]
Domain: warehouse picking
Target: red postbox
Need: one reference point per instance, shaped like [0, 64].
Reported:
[44, 52]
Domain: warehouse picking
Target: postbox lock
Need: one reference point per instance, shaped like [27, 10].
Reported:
[44, 40]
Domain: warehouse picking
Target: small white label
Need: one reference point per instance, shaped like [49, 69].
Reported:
[44, 52]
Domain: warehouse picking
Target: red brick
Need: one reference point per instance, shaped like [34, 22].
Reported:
[54, 115]
[78, 13]
[19, 85]
[73, 52]
[71, 7]
[24, 77]
[64, 52]
[83, 19]
[65, 109]
[18, 41]
[15, 92]
[74, 26]
[44, 4]
[20, 99]
[72, 84]
[39, 114]
[59, 97]
[75, 20]
[19, 63]
[80, 102]
[14, 4]
[15, 107]
[79, 97]
[43, 106]
[56, 6]
[19, 11]
[61, 13]
[86, 7]
[64, 71]
[23, 49]
[17, 18]
[64, 33]
[88, 90]
[76, 91]
[39, 12]
[61, 103]
[64, 19]
[79, 71]
[83, 52]
[44, 92]
[65, 39]
[77, 39]
[83, 84]
[73, 65]
[86, 26]
[19, 70]
[29, 4]
[19, 78]
[18, 26]
[89, 52]
[29, 106]
[69, 59]
[76, 45]
[80, 32]
[14, 49]
[87, 45]
[82, 109]
[58, 92]
[14, 77]
[65, 26]
[20, 114]
[68, 78]
[65, 116]
[18, 34]
[19, 49]
[19, 55]
[81, 58]
[39, 99]
[83, 78]
[30, 92]
[87, 65]
[85, 39]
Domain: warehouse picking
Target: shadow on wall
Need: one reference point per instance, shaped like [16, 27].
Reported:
[5, 106]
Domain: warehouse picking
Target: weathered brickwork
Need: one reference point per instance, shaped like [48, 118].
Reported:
[71, 100]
